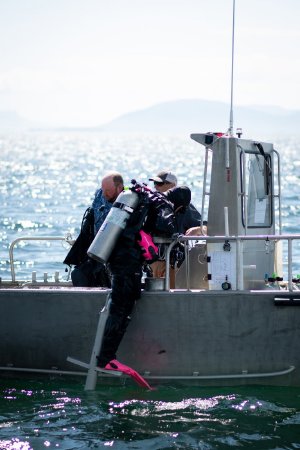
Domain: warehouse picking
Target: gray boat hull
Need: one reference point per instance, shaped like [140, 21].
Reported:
[203, 337]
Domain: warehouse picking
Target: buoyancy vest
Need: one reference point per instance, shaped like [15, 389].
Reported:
[158, 214]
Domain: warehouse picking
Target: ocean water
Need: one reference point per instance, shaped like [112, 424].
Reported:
[58, 414]
[47, 181]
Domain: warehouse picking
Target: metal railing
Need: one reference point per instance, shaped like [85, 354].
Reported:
[239, 253]
[185, 239]
[67, 239]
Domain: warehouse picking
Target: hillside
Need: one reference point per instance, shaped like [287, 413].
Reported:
[188, 116]
[182, 116]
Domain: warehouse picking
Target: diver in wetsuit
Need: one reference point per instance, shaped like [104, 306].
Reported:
[154, 214]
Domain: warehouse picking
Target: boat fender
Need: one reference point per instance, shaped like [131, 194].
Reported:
[111, 229]
[149, 250]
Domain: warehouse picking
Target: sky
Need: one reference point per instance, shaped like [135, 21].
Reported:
[85, 62]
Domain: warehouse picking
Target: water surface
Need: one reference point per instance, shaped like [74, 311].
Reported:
[38, 414]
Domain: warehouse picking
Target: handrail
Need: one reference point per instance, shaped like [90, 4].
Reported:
[185, 239]
[67, 239]
[239, 240]
[233, 376]
[244, 195]
[148, 376]
[278, 195]
[204, 191]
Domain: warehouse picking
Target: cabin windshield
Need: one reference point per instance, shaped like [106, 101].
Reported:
[257, 190]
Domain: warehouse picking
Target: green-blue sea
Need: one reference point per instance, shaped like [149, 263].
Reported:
[47, 181]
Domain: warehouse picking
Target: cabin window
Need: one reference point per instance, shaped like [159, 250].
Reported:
[256, 186]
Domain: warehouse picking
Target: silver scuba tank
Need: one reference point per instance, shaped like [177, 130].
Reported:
[115, 222]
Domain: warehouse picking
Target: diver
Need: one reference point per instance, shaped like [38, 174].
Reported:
[154, 214]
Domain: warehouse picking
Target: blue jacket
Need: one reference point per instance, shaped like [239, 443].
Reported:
[101, 208]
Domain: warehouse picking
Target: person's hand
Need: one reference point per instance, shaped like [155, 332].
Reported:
[196, 231]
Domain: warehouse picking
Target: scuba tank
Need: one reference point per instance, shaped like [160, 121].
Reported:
[115, 222]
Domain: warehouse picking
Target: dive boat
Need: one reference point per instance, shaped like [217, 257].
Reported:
[232, 318]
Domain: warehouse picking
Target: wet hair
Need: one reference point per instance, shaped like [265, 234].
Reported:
[180, 196]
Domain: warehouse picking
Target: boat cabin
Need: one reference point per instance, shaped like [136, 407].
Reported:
[241, 194]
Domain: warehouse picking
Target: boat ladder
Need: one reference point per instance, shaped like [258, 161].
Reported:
[93, 370]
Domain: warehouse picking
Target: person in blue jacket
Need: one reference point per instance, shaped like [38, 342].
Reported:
[88, 272]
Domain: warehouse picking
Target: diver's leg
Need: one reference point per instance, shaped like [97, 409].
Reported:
[126, 289]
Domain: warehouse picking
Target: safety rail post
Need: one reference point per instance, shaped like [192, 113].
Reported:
[204, 191]
[187, 273]
[239, 265]
[244, 193]
[278, 195]
[167, 280]
[290, 260]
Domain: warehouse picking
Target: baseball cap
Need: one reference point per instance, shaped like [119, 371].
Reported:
[164, 177]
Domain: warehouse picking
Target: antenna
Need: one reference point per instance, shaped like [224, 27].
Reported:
[230, 130]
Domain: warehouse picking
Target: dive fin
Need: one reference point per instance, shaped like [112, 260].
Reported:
[116, 365]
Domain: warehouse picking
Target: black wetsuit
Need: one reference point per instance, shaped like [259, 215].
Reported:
[155, 214]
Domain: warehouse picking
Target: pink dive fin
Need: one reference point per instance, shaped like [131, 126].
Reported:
[116, 365]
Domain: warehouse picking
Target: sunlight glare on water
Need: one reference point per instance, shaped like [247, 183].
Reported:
[49, 179]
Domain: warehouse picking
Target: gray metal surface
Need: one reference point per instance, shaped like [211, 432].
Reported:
[172, 334]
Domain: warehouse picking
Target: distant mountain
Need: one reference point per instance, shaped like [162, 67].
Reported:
[189, 116]
[182, 117]
[11, 120]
